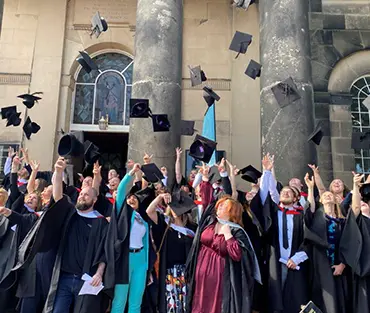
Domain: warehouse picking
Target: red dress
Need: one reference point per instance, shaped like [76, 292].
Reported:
[210, 268]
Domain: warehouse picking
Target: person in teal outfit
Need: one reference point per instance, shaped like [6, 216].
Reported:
[126, 249]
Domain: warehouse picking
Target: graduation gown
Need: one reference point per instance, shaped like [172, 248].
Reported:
[294, 294]
[359, 261]
[330, 293]
[55, 223]
[238, 279]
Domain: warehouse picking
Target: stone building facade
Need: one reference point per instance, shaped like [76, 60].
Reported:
[41, 39]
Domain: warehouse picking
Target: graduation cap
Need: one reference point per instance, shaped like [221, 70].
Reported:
[365, 192]
[244, 4]
[202, 148]
[360, 140]
[253, 70]
[152, 173]
[210, 96]
[6, 112]
[316, 135]
[69, 145]
[214, 175]
[86, 62]
[91, 154]
[197, 76]
[240, 42]
[286, 92]
[139, 108]
[14, 119]
[187, 128]
[160, 123]
[30, 99]
[10, 113]
[181, 202]
[250, 174]
[30, 128]
[310, 308]
[99, 24]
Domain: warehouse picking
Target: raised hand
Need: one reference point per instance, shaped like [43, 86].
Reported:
[267, 162]
[11, 152]
[17, 160]
[35, 166]
[178, 152]
[25, 155]
[357, 178]
[234, 171]
[60, 165]
[164, 171]
[97, 169]
[147, 158]
[136, 167]
[204, 169]
[221, 166]
[314, 168]
[166, 198]
[310, 183]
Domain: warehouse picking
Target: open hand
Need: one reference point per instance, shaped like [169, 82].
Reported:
[147, 158]
[97, 169]
[314, 168]
[178, 152]
[221, 166]
[267, 162]
[35, 166]
[357, 178]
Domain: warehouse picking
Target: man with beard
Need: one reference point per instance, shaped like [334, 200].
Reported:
[283, 226]
[78, 233]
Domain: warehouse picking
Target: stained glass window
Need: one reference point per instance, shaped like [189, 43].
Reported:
[360, 90]
[106, 92]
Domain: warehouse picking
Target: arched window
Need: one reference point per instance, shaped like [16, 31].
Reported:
[360, 90]
[104, 92]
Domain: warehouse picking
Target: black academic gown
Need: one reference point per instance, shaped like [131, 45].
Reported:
[330, 293]
[49, 232]
[294, 294]
[238, 281]
[359, 261]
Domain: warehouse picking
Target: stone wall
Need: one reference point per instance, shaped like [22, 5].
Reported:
[338, 30]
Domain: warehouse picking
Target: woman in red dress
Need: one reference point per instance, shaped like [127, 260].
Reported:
[222, 265]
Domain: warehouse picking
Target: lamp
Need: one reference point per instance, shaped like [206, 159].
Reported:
[103, 123]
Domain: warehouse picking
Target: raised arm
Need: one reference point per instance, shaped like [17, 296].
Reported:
[8, 162]
[31, 185]
[59, 168]
[152, 208]
[319, 183]
[310, 186]
[356, 196]
[124, 186]
[178, 165]
[233, 172]
[14, 191]
[97, 179]
[268, 183]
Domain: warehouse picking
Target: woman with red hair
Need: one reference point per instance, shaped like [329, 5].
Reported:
[221, 265]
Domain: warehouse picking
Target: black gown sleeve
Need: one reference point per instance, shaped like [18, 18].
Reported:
[14, 191]
[226, 185]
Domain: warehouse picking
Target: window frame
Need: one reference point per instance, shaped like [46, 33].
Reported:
[359, 110]
[95, 127]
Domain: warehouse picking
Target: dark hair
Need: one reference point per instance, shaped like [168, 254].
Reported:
[42, 185]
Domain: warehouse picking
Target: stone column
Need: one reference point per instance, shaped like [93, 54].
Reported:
[157, 77]
[1, 13]
[285, 51]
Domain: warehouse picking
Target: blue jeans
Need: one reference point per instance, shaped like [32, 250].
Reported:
[68, 288]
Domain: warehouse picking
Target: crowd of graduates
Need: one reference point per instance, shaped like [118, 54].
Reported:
[140, 243]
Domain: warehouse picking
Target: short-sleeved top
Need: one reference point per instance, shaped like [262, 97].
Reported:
[176, 241]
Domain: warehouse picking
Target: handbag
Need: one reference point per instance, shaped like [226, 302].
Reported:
[156, 264]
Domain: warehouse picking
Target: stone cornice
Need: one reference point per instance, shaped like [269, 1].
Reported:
[87, 27]
[14, 79]
[216, 83]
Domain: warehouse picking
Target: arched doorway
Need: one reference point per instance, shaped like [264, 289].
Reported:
[106, 92]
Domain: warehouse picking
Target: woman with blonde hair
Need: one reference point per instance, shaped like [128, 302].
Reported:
[328, 237]
[173, 234]
[222, 265]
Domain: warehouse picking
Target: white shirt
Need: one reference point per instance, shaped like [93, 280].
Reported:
[268, 184]
[137, 233]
